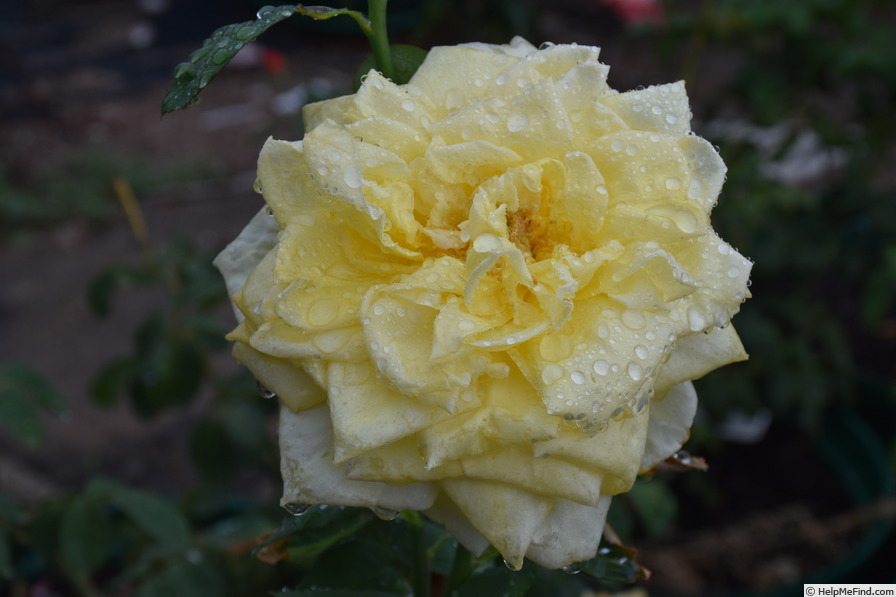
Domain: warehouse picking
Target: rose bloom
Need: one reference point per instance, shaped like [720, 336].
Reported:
[483, 294]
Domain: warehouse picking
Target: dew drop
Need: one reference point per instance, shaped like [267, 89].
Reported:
[264, 392]
[378, 309]
[322, 312]
[244, 33]
[555, 347]
[641, 351]
[631, 150]
[634, 319]
[220, 57]
[517, 122]
[635, 371]
[671, 118]
[601, 367]
[485, 243]
[673, 184]
[696, 320]
[733, 272]
[408, 105]
[573, 568]
[352, 178]
[256, 186]
[551, 373]
[603, 331]
[184, 70]
[466, 326]
[297, 509]
[577, 377]
[384, 513]
[617, 145]
[513, 566]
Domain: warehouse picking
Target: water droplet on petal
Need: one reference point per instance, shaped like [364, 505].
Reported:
[512, 566]
[384, 513]
[577, 377]
[696, 320]
[297, 509]
[641, 351]
[673, 184]
[352, 178]
[601, 367]
[517, 122]
[323, 312]
[264, 392]
[573, 568]
[634, 319]
[551, 373]
[635, 371]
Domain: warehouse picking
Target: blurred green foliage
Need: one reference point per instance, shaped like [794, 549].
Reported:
[821, 330]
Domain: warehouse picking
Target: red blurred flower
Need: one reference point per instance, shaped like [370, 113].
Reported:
[637, 11]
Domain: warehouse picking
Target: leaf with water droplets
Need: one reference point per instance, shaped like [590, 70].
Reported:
[615, 563]
[204, 64]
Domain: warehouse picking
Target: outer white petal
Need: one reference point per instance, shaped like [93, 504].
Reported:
[696, 355]
[310, 477]
[570, 533]
[669, 425]
[242, 255]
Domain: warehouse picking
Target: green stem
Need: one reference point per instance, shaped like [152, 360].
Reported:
[460, 569]
[379, 38]
[420, 572]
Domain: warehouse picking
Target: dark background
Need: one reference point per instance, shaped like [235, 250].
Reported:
[798, 96]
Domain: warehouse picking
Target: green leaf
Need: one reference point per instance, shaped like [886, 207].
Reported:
[20, 416]
[373, 568]
[405, 60]
[615, 564]
[204, 64]
[213, 451]
[106, 385]
[155, 516]
[316, 531]
[6, 569]
[167, 369]
[656, 505]
[100, 291]
[83, 536]
[498, 580]
[23, 394]
[32, 384]
[184, 579]
[335, 593]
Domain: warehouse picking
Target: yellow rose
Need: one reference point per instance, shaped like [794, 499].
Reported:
[483, 294]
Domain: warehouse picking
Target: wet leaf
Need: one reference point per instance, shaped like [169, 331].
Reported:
[106, 385]
[84, 536]
[23, 394]
[6, 569]
[156, 517]
[204, 64]
[615, 563]
[184, 579]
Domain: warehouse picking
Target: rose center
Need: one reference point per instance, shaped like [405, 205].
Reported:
[529, 232]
